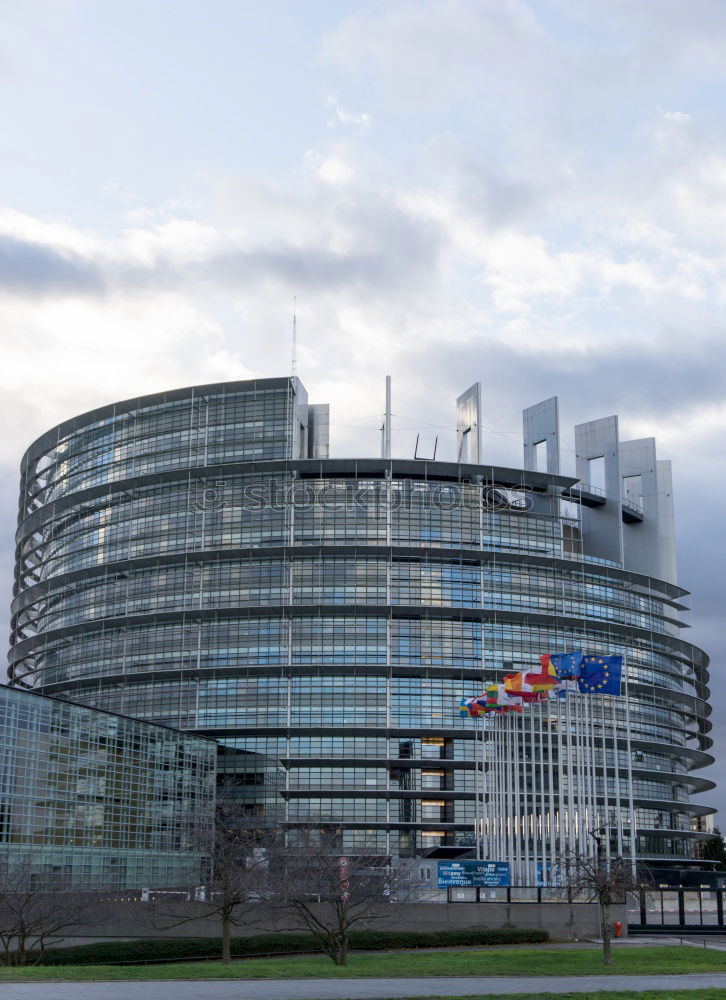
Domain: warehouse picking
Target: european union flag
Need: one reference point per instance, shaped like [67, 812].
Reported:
[568, 666]
[600, 674]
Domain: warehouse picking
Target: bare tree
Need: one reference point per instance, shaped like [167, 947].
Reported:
[238, 887]
[603, 881]
[330, 893]
[35, 908]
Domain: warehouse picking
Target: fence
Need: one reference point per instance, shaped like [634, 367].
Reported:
[507, 894]
[677, 909]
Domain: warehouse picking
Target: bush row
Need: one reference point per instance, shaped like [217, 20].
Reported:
[159, 949]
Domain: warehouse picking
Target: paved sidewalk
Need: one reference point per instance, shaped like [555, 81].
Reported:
[353, 989]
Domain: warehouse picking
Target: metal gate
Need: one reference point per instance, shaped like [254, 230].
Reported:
[677, 910]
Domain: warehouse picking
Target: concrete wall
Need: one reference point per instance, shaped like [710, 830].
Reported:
[141, 920]
[541, 425]
[602, 527]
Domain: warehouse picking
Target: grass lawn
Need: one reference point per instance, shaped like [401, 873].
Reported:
[600, 995]
[536, 961]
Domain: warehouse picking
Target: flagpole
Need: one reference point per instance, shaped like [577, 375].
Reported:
[492, 804]
[507, 791]
[615, 719]
[595, 821]
[562, 826]
[526, 771]
[599, 794]
[519, 793]
[576, 706]
[483, 811]
[555, 833]
[542, 830]
[631, 806]
[599, 820]
[493, 758]
[585, 753]
[503, 776]
[590, 767]
[485, 828]
[566, 766]
[509, 802]
[480, 793]
[494, 764]
[587, 770]
[605, 781]
[518, 749]
[477, 812]
[499, 724]
[518, 799]
[590, 734]
[585, 815]
[575, 764]
[586, 776]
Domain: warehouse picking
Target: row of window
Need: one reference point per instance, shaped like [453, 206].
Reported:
[95, 868]
[186, 704]
[71, 775]
[79, 539]
[188, 432]
[339, 581]
[360, 747]
[373, 641]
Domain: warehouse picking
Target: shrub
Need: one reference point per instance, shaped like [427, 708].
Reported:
[161, 949]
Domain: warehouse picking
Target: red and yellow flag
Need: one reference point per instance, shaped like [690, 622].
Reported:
[546, 678]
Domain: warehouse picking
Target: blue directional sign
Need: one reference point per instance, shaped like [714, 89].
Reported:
[548, 875]
[473, 873]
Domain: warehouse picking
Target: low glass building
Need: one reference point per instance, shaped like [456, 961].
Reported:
[100, 801]
[196, 558]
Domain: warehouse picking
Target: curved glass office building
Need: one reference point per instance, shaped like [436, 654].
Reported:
[195, 558]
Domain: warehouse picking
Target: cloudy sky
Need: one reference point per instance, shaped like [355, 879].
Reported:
[532, 194]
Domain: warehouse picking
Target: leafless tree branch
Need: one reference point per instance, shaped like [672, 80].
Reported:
[35, 909]
[330, 893]
[605, 881]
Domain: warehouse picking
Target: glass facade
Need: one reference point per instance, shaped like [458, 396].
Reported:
[100, 800]
[182, 560]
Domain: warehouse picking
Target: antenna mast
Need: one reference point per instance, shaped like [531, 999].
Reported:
[294, 337]
[387, 421]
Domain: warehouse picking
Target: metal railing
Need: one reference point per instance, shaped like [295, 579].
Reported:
[677, 910]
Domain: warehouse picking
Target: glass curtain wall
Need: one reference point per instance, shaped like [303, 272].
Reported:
[182, 560]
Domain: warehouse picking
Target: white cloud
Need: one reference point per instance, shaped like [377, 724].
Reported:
[425, 51]
[332, 168]
[361, 121]
[59, 234]
[85, 352]
[540, 205]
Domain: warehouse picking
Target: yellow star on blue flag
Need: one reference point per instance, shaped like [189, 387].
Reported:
[600, 674]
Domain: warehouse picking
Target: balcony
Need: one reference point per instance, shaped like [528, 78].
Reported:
[593, 496]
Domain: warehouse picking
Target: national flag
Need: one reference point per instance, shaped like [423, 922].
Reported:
[509, 701]
[498, 699]
[495, 697]
[517, 686]
[565, 687]
[567, 665]
[600, 674]
[544, 679]
[464, 710]
[472, 708]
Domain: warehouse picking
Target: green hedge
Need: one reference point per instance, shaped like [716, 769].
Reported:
[156, 949]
